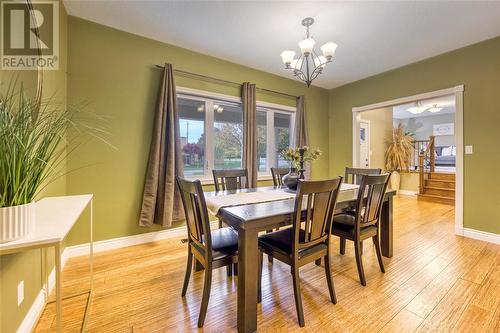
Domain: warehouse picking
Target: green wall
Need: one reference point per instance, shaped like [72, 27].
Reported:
[27, 266]
[477, 67]
[114, 71]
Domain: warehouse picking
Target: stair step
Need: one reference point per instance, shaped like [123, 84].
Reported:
[440, 183]
[443, 192]
[441, 176]
[436, 198]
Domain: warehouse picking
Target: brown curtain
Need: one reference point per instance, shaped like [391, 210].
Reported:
[301, 137]
[249, 132]
[161, 202]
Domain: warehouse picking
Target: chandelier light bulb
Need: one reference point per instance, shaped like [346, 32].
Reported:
[328, 49]
[306, 45]
[287, 57]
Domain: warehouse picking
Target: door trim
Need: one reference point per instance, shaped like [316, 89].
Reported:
[458, 91]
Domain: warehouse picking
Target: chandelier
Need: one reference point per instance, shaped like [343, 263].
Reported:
[309, 64]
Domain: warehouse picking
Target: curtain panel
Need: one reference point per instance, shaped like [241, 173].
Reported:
[161, 203]
[301, 137]
[248, 98]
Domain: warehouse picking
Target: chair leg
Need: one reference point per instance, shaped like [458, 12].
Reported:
[189, 267]
[229, 270]
[269, 258]
[220, 223]
[298, 298]
[206, 295]
[259, 282]
[359, 262]
[318, 262]
[235, 269]
[329, 279]
[342, 246]
[361, 247]
[379, 253]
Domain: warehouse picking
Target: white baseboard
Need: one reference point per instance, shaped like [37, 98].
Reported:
[482, 235]
[407, 192]
[117, 243]
[31, 319]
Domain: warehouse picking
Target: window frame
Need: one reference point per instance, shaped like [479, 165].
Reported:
[209, 98]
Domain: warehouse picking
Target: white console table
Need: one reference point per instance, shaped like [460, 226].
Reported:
[55, 217]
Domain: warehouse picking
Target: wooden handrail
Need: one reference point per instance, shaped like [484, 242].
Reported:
[428, 154]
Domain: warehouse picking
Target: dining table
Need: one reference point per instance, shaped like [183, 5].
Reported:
[254, 210]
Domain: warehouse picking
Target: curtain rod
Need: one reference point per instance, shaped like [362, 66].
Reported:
[185, 73]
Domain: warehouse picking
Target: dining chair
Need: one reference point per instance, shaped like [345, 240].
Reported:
[365, 223]
[212, 249]
[230, 179]
[352, 175]
[277, 174]
[309, 237]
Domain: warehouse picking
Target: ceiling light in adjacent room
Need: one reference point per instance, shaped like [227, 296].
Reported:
[434, 109]
[417, 108]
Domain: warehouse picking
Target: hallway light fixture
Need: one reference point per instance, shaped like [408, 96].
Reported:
[417, 108]
[434, 109]
[309, 64]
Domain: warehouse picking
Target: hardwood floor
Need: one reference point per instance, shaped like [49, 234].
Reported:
[436, 281]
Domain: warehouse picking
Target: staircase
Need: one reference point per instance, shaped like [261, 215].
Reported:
[439, 187]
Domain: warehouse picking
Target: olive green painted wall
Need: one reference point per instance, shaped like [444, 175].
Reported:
[27, 266]
[477, 67]
[114, 71]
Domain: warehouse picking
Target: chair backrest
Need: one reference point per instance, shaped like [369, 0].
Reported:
[353, 175]
[278, 174]
[230, 179]
[371, 194]
[195, 209]
[320, 198]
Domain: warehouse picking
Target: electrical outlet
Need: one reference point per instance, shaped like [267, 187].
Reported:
[20, 292]
[468, 150]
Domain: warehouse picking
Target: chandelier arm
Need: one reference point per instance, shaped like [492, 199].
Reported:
[300, 75]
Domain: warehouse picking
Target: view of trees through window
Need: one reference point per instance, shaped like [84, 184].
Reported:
[222, 146]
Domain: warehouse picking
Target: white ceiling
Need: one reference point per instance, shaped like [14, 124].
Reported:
[445, 102]
[373, 37]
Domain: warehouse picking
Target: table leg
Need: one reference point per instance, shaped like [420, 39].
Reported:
[247, 280]
[386, 227]
[57, 254]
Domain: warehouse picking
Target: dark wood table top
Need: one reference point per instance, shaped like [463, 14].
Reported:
[272, 213]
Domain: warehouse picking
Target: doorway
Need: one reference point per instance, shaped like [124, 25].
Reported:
[457, 93]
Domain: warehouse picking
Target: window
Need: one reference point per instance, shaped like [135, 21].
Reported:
[228, 135]
[211, 130]
[192, 133]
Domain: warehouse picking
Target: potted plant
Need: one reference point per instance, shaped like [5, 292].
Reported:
[297, 157]
[32, 149]
[398, 154]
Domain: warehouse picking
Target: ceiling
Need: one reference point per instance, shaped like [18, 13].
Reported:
[373, 37]
[445, 102]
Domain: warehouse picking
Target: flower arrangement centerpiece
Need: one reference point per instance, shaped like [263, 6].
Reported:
[297, 157]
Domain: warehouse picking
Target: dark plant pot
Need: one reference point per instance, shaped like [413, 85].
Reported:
[291, 179]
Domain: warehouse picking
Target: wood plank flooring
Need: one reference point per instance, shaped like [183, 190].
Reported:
[436, 281]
